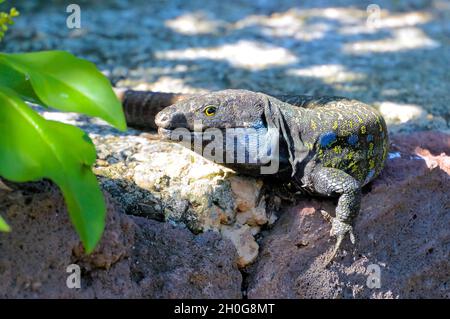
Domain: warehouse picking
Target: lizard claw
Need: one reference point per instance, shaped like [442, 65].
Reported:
[326, 216]
[339, 229]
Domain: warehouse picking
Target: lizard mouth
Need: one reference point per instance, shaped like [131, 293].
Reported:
[174, 135]
[177, 133]
[165, 134]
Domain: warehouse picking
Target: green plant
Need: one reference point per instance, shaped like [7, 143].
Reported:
[32, 148]
[6, 19]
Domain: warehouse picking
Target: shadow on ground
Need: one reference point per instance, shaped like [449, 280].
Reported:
[315, 47]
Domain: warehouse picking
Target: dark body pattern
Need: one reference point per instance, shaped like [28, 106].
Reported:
[340, 133]
[331, 146]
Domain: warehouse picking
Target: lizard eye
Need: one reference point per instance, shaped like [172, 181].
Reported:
[210, 110]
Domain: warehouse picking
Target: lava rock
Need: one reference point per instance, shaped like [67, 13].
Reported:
[402, 231]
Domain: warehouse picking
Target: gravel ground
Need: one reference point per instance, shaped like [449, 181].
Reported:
[397, 61]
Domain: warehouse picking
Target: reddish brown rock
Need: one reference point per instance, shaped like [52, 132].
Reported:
[137, 257]
[403, 228]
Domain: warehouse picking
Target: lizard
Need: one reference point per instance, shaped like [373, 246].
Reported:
[327, 146]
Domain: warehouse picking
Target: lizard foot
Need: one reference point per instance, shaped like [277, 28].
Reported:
[338, 229]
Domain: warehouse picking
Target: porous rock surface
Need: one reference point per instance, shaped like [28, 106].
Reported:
[137, 257]
[402, 228]
[165, 181]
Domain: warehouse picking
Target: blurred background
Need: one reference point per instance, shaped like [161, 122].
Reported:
[392, 54]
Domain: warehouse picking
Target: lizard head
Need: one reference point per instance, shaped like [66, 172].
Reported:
[217, 110]
[230, 126]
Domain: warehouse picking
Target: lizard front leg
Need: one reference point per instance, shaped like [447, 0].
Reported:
[332, 182]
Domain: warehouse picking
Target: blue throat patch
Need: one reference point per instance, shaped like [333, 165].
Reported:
[327, 139]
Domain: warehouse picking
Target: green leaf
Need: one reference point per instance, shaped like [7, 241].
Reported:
[65, 82]
[17, 81]
[4, 227]
[33, 148]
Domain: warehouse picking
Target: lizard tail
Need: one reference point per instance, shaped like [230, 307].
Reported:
[141, 107]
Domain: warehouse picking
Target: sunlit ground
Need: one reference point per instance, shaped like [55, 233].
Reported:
[396, 58]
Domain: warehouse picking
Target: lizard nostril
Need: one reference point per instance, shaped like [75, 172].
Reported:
[162, 120]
